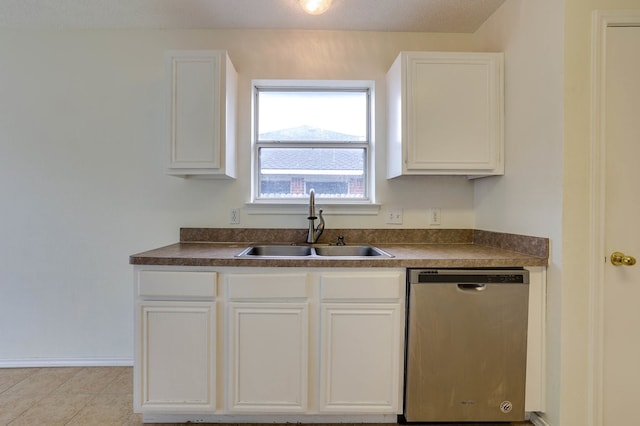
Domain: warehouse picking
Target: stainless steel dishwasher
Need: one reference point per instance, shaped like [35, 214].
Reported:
[466, 345]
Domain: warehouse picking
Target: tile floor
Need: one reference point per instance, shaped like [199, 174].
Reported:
[67, 396]
[75, 396]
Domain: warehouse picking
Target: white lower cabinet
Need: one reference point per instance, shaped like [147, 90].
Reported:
[175, 362]
[177, 355]
[268, 354]
[268, 345]
[361, 342]
[359, 359]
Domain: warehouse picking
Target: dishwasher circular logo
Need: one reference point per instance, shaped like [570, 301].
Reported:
[506, 406]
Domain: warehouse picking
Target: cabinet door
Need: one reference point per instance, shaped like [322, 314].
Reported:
[201, 113]
[268, 353]
[360, 361]
[454, 106]
[445, 112]
[176, 358]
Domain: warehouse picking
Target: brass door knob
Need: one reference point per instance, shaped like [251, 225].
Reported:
[618, 259]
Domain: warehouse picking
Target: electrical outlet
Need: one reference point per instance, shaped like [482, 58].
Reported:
[234, 216]
[394, 216]
[435, 216]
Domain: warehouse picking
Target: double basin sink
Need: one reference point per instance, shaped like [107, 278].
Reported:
[259, 251]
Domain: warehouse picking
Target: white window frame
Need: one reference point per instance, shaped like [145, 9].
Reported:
[369, 198]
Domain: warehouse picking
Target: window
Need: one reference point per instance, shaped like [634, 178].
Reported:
[312, 136]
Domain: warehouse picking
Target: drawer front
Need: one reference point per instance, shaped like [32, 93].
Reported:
[267, 286]
[177, 284]
[365, 285]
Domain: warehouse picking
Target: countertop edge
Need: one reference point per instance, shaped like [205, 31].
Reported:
[410, 248]
[405, 256]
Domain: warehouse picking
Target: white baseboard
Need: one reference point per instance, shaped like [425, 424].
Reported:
[537, 420]
[280, 419]
[67, 362]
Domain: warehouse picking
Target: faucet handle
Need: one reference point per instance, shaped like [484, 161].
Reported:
[340, 241]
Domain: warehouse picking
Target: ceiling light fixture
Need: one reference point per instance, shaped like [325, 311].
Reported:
[315, 7]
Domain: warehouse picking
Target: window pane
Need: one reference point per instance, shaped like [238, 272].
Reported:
[328, 116]
[331, 172]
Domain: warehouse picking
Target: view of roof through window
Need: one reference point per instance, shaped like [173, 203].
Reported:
[312, 139]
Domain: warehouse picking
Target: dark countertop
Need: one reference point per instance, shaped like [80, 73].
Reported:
[468, 248]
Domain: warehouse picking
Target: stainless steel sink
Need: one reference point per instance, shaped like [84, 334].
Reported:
[276, 250]
[350, 251]
[291, 251]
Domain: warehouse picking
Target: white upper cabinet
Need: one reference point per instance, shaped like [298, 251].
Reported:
[202, 86]
[445, 114]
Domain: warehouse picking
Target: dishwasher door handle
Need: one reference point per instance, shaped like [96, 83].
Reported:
[472, 287]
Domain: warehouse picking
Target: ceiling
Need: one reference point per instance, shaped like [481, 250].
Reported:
[462, 16]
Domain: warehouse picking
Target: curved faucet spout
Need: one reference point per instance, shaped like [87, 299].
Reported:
[314, 234]
[312, 204]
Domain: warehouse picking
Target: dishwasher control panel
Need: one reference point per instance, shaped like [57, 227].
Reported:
[479, 276]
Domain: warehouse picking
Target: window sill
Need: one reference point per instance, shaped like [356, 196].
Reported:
[328, 209]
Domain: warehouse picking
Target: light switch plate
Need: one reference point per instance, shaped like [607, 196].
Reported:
[394, 216]
[435, 217]
[234, 216]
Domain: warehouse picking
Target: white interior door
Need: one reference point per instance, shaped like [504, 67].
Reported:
[621, 287]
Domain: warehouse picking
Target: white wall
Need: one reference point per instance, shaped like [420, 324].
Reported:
[528, 199]
[82, 158]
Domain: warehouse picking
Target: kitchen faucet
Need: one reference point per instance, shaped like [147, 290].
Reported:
[314, 234]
